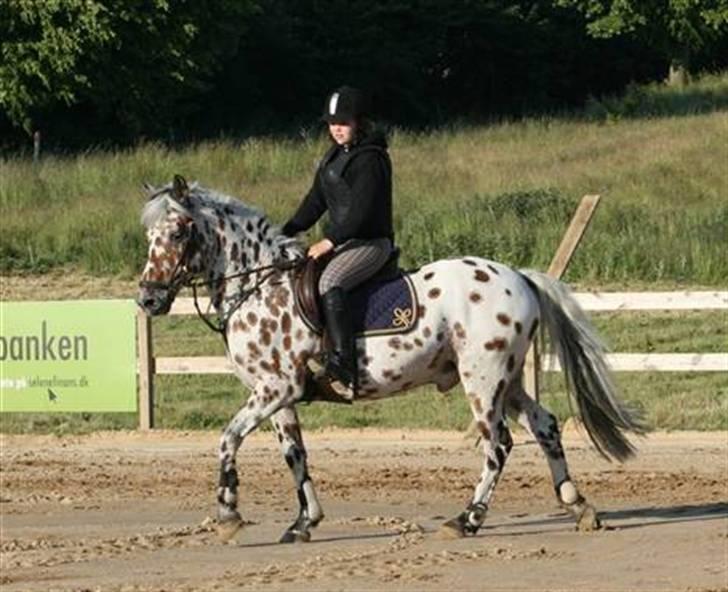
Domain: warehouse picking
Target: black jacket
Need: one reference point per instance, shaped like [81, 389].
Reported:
[355, 186]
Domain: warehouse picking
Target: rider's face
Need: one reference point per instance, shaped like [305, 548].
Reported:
[343, 132]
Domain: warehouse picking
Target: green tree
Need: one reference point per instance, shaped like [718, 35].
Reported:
[41, 44]
[136, 61]
[678, 28]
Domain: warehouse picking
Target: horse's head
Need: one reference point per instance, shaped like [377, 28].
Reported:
[175, 248]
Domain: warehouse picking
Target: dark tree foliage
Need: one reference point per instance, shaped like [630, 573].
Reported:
[178, 70]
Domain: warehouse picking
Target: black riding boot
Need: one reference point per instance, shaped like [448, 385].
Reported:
[341, 357]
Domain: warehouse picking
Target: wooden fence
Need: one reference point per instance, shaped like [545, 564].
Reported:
[149, 365]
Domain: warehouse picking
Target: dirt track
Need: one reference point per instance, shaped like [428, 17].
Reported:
[127, 511]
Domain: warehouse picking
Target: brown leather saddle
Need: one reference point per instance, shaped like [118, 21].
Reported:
[306, 293]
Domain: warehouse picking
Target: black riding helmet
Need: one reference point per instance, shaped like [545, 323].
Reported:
[345, 104]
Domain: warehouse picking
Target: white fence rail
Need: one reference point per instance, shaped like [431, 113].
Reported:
[591, 301]
[149, 365]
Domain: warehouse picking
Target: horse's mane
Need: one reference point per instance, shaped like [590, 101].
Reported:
[206, 204]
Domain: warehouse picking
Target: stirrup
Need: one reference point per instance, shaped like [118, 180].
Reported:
[341, 379]
[340, 393]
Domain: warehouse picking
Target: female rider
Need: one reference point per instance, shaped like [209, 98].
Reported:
[353, 183]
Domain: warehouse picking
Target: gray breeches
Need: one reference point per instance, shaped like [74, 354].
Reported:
[354, 261]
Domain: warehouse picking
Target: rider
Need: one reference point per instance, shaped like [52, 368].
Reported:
[353, 183]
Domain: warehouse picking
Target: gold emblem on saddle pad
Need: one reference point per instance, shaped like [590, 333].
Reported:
[401, 317]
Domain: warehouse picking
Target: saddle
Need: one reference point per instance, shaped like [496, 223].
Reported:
[384, 304]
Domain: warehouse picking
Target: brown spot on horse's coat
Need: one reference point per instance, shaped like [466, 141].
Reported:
[511, 363]
[428, 275]
[475, 297]
[470, 262]
[426, 332]
[503, 319]
[483, 429]
[508, 292]
[420, 311]
[497, 343]
[459, 330]
[239, 360]
[286, 323]
[287, 342]
[481, 276]
[518, 327]
[254, 349]
[477, 404]
[395, 343]
[434, 293]
[493, 269]
[252, 318]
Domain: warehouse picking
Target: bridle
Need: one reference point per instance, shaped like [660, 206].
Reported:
[181, 277]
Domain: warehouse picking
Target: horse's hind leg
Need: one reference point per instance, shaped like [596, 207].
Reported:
[486, 402]
[544, 428]
[288, 431]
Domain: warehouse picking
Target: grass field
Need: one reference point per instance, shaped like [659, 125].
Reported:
[506, 191]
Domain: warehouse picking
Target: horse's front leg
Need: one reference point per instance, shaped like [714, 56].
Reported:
[288, 431]
[267, 397]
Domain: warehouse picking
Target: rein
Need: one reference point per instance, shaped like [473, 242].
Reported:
[241, 297]
[222, 321]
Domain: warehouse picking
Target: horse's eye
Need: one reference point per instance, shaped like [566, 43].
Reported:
[179, 234]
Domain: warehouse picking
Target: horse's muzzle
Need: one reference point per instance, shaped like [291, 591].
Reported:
[155, 301]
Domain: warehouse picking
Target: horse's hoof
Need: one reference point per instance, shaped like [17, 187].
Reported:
[589, 520]
[295, 536]
[228, 529]
[452, 529]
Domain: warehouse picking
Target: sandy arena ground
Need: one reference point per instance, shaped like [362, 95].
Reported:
[129, 512]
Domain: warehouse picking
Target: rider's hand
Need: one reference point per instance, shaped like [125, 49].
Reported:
[320, 248]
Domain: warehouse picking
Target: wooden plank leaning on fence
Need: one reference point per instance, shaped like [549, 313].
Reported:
[559, 263]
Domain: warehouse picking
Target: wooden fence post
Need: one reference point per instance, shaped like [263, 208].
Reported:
[146, 371]
[559, 263]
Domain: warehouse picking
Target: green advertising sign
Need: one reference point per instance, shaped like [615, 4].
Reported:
[68, 356]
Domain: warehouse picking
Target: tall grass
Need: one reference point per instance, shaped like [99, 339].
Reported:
[504, 191]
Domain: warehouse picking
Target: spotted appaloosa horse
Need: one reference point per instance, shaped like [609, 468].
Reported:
[476, 321]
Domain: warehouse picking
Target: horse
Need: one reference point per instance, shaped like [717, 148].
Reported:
[475, 323]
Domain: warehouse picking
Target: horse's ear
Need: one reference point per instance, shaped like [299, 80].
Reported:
[180, 190]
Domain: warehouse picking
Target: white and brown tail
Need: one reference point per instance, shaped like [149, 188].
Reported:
[582, 356]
